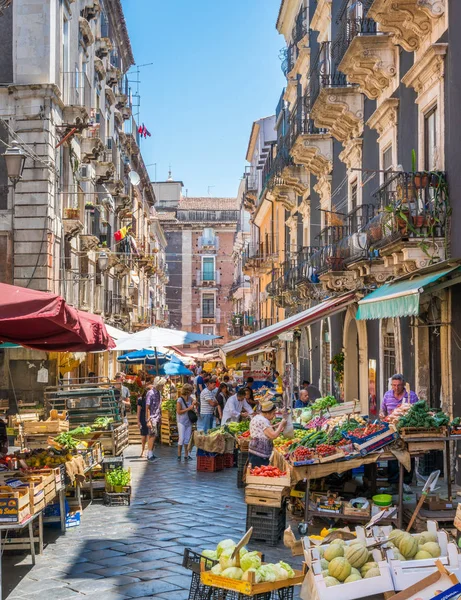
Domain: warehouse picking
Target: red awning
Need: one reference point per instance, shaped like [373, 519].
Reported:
[307, 317]
[45, 322]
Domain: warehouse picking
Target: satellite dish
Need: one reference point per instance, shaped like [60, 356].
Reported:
[134, 178]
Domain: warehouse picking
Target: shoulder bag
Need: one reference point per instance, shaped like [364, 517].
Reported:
[193, 418]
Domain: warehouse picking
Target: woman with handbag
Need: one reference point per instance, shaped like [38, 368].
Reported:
[185, 416]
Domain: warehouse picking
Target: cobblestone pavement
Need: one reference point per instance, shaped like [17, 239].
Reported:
[136, 551]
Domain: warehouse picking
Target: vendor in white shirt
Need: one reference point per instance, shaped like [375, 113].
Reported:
[236, 406]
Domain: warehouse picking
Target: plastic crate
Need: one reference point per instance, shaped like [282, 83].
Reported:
[268, 523]
[240, 475]
[204, 453]
[242, 459]
[116, 499]
[200, 591]
[110, 463]
[191, 560]
[210, 464]
[228, 460]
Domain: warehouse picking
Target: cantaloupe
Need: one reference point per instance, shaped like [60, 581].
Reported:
[395, 536]
[408, 546]
[372, 573]
[357, 555]
[367, 567]
[333, 551]
[339, 541]
[421, 555]
[427, 536]
[325, 573]
[352, 577]
[355, 571]
[398, 556]
[339, 568]
[432, 548]
[330, 581]
[324, 563]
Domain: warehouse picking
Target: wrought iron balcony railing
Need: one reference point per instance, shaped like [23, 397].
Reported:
[324, 72]
[301, 27]
[300, 122]
[257, 255]
[411, 205]
[272, 175]
[353, 21]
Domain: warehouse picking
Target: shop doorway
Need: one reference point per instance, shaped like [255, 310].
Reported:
[351, 365]
[305, 356]
[433, 320]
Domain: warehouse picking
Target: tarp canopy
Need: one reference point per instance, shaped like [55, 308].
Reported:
[173, 368]
[43, 321]
[399, 299]
[153, 337]
[306, 317]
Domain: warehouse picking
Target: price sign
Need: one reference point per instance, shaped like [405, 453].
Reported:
[9, 509]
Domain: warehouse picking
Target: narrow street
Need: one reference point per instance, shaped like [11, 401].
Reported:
[136, 551]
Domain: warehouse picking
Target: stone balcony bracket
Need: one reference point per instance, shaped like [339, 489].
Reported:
[406, 256]
[100, 69]
[429, 69]
[88, 243]
[103, 47]
[340, 110]
[302, 60]
[104, 172]
[110, 95]
[341, 281]
[75, 116]
[286, 195]
[72, 228]
[321, 19]
[409, 21]
[352, 153]
[373, 272]
[296, 177]
[370, 62]
[314, 152]
[91, 149]
[87, 36]
[385, 117]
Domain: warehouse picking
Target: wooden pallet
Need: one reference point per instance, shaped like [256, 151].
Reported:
[265, 495]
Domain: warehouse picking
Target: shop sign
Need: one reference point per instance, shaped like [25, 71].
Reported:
[9, 509]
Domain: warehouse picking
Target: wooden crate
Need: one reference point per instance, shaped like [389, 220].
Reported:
[14, 504]
[284, 481]
[249, 588]
[265, 495]
[415, 433]
[48, 427]
[113, 441]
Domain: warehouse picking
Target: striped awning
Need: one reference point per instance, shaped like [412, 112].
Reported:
[255, 340]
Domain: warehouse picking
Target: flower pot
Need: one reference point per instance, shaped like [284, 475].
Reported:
[71, 213]
[118, 489]
[420, 221]
[421, 181]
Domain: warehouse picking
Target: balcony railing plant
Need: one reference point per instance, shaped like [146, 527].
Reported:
[353, 21]
[412, 205]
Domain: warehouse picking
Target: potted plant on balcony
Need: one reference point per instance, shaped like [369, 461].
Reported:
[89, 206]
[72, 213]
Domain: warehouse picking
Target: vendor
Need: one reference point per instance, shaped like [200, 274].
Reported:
[262, 434]
[249, 386]
[236, 407]
[393, 398]
[313, 391]
[303, 400]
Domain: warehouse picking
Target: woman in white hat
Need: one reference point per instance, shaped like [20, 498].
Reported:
[154, 414]
[262, 434]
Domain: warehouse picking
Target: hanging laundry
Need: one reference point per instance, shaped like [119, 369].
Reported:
[120, 234]
[143, 131]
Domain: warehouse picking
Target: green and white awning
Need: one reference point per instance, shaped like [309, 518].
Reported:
[399, 299]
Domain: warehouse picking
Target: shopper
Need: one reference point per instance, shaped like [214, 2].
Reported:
[249, 386]
[313, 391]
[391, 400]
[153, 415]
[124, 393]
[221, 398]
[208, 403]
[303, 400]
[236, 407]
[229, 383]
[262, 434]
[142, 418]
[199, 384]
[184, 406]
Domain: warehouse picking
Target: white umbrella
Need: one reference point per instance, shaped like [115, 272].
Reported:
[154, 337]
[116, 334]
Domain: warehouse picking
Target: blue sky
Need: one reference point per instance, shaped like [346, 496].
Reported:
[216, 70]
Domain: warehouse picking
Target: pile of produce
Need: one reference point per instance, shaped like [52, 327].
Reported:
[267, 471]
[250, 562]
[39, 459]
[414, 547]
[419, 415]
[399, 412]
[102, 423]
[325, 403]
[369, 429]
[343, 563]
[170, 406]
[237, 428]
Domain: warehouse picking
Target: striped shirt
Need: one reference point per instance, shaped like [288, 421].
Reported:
[390, 402]
[205, 406]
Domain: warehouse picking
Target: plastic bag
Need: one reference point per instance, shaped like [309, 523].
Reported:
[289, 430]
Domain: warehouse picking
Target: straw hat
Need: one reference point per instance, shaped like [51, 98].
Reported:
[159, 381]
[267, 406]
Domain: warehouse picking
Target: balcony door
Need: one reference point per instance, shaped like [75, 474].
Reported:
[208, 268]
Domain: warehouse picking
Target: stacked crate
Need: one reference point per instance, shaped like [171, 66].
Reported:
[241, 466]
[268, 523]
[168, 429]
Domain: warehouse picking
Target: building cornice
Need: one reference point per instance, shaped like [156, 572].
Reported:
[385, 116]
[427, 70]
[120, 28]
[252, 142]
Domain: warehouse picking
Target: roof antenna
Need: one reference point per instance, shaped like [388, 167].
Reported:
[209, 189]
[170, 178]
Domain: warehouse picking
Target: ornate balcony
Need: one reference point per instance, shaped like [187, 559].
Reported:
[310, 146]
[282, 178]
[258, 257]
[335, 104]
[296, 55]
[100, 69]
[409, 231]
[86, 34]
[91, 148]
[91, 9]
[103, 47]
[250, 195]
[409, 21]
[366, 56]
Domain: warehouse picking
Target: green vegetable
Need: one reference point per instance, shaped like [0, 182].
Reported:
[67, 440]
[267, 573]
[223, 545]
[251, 560]
[118, 477]
[102, 422]
[233, 573]
[323, 403]
[288, 569]
[420, 416]
[80, 431]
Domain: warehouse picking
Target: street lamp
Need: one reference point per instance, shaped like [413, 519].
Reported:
[103, 261]
[15, 159]
[131, 290]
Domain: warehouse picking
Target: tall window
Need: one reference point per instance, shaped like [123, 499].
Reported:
[208, 306]
[430, 140]
[208, 270]
[389, 367]
[208, 235]
[387, 163]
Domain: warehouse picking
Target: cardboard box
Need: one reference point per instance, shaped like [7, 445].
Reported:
[440, 585]
[14, 505]
[436, 503]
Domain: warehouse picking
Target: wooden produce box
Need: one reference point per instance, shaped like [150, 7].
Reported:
[113, 441]
[332, 457]
[265, 495]
[58, 474]
[352, 511]
[48, 427]
[284, 481]
[417, 433]
[345, 408]
[14, 504]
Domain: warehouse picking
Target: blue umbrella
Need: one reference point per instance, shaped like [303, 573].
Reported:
[148, 357]
[172, 368]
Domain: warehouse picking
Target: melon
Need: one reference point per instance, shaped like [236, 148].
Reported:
[333, 551]
[421, 555]
[408, 546]
[427, 536]
[339, 568]
[330, 581]
[395, 536]
[339, 541]
[398, 556]
[325, 573]
[375, 572]
[324, 563]
[357, 555]
[321, 551]
[432, 548]
[355, 571]
[352, 577]
[367, 567]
